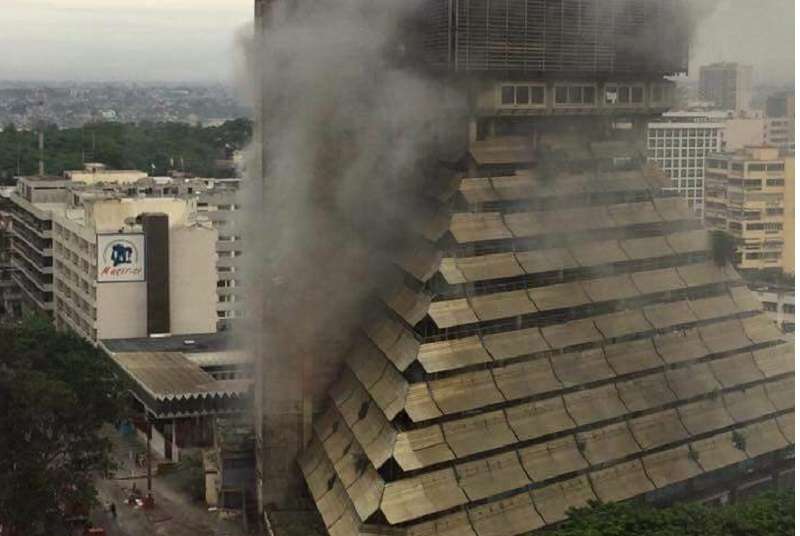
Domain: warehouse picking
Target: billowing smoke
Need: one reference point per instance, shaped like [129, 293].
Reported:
[349, 127]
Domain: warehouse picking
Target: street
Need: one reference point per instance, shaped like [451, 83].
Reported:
[174, 514]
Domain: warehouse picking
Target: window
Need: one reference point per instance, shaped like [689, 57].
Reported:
[575, 95]
[612, 96]
[755, 226]
[788, 308]
[523, 95]
[756, 167]
[507, 95]
[774, 182]
[770, 306]
[737, 167]
[774, 211]
[774, 167]
[637, 95]
[537, 95]
[624, 94]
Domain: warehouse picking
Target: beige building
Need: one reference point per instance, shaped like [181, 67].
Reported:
[219, 202]
[34, 200]
[79, 255]
[741, 132]
[97, 299]
[746, 196]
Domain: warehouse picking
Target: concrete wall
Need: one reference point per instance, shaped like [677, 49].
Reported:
[108, 215]
[193, 280]
[739, 133]
[122, 310]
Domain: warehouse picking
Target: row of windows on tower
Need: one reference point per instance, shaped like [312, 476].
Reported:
[578, 94]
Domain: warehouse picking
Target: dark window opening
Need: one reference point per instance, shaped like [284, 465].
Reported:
[523, 95]
[507, 95]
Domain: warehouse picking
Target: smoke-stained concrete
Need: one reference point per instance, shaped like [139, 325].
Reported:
[347, 134]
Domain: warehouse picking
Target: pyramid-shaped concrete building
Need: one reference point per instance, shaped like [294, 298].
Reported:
[555, 342]
[562, 329]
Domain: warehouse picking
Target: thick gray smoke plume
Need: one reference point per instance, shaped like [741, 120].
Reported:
[348, 124]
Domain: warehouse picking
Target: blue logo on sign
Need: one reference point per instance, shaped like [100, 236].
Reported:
[121, 253]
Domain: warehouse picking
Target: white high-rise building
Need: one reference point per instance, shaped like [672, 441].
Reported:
[679, 147]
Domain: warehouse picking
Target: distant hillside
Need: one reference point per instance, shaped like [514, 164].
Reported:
[145, 146]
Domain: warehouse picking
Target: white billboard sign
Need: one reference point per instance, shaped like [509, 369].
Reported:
[120, 258]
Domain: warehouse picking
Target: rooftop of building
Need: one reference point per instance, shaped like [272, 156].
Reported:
[725, 65]
[196, 343]
[759, 153]
[42, 180]
[168, 375]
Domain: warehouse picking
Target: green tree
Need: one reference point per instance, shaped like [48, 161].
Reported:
[769, 514]
[56, 392]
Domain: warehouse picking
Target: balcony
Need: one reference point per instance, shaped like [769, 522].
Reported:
[43, 300]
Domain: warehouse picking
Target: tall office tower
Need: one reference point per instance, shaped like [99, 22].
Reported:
[750, 196]
[679, 148]
[728, 85]
[561, 331]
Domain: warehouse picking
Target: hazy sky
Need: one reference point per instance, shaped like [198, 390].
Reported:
[193, 40]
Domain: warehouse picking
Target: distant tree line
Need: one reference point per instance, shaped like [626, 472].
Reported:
[151, 147]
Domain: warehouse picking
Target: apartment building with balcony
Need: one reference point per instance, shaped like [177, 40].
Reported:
[31, 240]
[10, 305]
[749, 195]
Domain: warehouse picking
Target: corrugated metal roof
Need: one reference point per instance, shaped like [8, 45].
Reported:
[171, 375]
